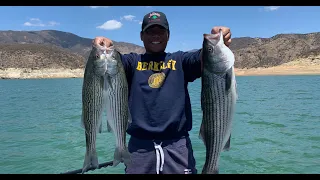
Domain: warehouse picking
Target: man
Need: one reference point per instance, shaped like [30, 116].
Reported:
[159, 100]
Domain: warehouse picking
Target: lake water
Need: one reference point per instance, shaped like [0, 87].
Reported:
[276, 127]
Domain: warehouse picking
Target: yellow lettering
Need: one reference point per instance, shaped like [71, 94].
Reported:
[156, 66]
[173, 65]
[144, 66]
[139, 66]
[169, 64]
[163, 65]
[150, 65]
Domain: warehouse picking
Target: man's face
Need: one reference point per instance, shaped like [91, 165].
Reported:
[155, 39]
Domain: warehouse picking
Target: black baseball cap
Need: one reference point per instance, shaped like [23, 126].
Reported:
[155, 18]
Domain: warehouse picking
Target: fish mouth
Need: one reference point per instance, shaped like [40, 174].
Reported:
[102, 52]
[211, 36]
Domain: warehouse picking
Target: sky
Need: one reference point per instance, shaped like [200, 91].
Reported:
[187, 23]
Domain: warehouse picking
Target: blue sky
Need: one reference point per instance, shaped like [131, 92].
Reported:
[187, 23]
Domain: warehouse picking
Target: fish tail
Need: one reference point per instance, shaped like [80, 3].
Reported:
[121, 155]
[227, 145]
[211, 171]
[90, 161]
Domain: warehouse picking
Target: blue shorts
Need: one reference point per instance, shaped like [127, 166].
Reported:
[161, 157]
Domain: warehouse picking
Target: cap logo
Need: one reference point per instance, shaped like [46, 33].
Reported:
[154, 15]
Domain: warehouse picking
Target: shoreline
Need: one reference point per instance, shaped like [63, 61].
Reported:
[27, 73]
[46, 73]
[280, 71]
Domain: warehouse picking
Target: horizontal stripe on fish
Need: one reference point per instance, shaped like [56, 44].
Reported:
[217, 99]
[92, 104]
[118, 115]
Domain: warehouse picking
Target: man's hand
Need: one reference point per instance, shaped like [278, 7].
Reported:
[102, 41]
[226, 34]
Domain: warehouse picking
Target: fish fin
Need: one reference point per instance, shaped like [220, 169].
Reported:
[99, 129]
[100, 126]
[227, 145]
[105, 105]
[121, 155]
[90, 162]
[109, 129]
[201, 133]
[237, 94]
[107, 82]
[109, 118]
[228, 79]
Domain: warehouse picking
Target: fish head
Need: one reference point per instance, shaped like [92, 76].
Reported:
[99, 58]
[211, 43]
[216, 55]
[113, 59]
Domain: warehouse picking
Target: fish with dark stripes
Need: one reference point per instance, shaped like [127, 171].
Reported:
[93, 103]
[218, 99]
[118, 114]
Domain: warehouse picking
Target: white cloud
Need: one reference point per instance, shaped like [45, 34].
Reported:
[131, 18]
[38, 23]
[271, 8]
[128, 17]
[95, 7]
[111, 25]
[33, 24]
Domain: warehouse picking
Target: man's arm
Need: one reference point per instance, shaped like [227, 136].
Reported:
[191, 64]
[128, 62]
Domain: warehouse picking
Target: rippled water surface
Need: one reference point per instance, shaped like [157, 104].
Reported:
[276, 127]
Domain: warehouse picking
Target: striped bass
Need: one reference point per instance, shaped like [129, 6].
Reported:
[218, 99]
[118, 115]
[93, 103]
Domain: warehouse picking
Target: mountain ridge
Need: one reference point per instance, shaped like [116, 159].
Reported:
[59, 49]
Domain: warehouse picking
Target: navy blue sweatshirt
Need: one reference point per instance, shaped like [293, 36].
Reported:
[158, 96]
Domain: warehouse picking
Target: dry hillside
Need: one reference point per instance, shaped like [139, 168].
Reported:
[36, 56]
[57, 49]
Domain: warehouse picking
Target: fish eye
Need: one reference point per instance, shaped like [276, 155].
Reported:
[210, 49]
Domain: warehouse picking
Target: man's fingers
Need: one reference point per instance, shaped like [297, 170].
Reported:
[98, 41]
[226, 33]
[102, 41]
[215, 30]
[227, 43]
[227, 36]
[225, 30]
